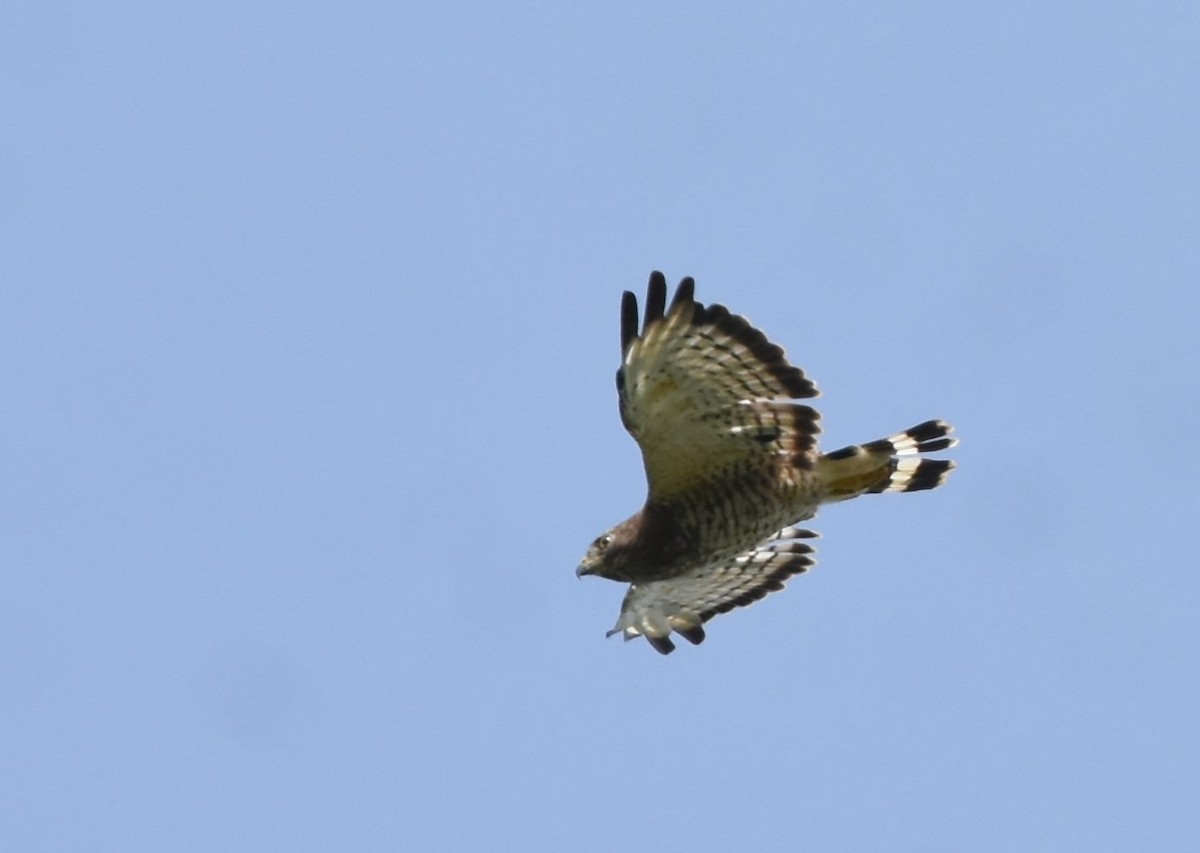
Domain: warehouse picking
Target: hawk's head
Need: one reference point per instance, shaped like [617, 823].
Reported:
[608, 555]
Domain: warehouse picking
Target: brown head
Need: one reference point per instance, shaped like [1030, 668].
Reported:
[614, 553]
[645, 547]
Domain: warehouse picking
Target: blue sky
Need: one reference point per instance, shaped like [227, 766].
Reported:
[308, 321]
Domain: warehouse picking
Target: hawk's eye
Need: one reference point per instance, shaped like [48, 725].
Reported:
[603, 542]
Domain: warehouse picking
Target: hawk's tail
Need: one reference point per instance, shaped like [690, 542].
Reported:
[888, 465]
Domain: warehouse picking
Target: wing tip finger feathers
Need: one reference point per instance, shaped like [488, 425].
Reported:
[629, 320]
[656, 307]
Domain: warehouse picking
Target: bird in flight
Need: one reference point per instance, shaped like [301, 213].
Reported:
[732, 466]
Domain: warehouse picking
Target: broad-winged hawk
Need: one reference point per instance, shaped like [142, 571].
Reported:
[732, 464]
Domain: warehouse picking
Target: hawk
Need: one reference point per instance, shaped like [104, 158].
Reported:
[732, 466]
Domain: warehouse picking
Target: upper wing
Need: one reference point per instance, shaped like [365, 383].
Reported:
[702, 391]
[656, 608]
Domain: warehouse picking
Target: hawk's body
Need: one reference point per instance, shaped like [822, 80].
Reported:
[732, 465]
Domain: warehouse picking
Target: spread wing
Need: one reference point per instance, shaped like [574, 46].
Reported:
[683, 604]
[706, 395]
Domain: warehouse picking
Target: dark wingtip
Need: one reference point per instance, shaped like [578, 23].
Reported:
[686, 292]
[656, 299]
[629, 320]
[694, 635]
[656, 306]
[662, 645]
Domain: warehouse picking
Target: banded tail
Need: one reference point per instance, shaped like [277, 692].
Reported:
[888, 465]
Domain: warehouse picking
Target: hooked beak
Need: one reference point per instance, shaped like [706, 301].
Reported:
[582, 570]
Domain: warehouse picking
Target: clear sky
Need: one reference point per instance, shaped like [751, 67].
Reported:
[308, 325]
